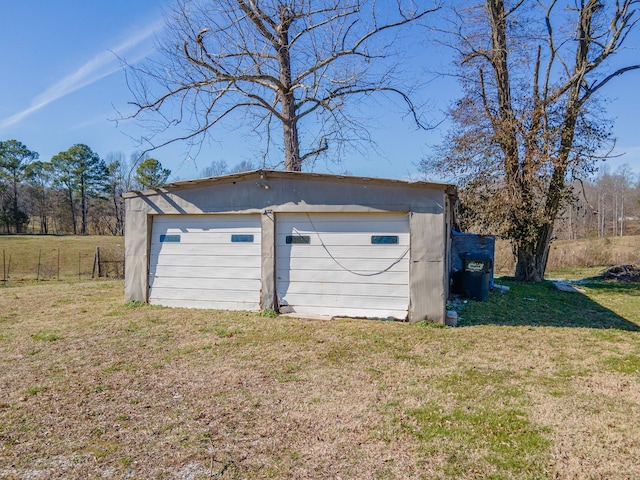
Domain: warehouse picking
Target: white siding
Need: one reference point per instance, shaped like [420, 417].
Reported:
[194, 263]
[340, 271]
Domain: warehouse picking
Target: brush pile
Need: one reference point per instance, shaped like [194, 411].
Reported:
[622, 273]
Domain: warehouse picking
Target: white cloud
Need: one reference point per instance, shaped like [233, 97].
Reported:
[99, 67]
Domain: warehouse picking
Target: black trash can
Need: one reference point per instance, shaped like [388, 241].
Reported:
[476, 278]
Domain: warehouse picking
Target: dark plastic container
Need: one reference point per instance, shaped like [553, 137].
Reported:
[476, 278]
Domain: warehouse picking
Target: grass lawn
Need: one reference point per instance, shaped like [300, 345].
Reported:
[533, 384]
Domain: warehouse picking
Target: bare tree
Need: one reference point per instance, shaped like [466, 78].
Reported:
[529, 120]
[215, 168]
[39, 177]
[119, 181]
[272, 65]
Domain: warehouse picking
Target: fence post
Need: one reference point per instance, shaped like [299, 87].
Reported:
[39, 260]
[58, 271]
[79, 253]
[96, 263]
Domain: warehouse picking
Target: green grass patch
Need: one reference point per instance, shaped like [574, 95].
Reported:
[46, 336]
[574, 273]
[629, 364]
[136, 304]
[35, 389]
[542, 305]
[473, 438]
[268, 313]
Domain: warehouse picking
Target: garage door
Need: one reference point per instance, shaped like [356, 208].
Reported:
[343, 264]
[205, 261]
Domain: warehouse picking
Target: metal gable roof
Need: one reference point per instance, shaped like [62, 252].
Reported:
[265, 173]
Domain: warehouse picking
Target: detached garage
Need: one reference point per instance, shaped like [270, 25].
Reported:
[299, 243]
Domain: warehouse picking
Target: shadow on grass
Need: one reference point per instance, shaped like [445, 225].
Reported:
[543, 305]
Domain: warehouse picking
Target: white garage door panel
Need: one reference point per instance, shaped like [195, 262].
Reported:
[206, 274]
[347, 289]
[195, 263]
[330, 277]
[198, 249]
[338, 308]
[346, 239]
[198, 303]
[210, 261]
[352, 252]
[372, 265]
[203, 237]
[228, 296]
[340, 271]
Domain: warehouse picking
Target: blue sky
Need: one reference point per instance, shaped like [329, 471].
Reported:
[62, 84]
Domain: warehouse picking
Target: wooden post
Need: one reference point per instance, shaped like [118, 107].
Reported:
[58, 269]
[4, 265]
[96, 263]
[79, 264]
[39, 260]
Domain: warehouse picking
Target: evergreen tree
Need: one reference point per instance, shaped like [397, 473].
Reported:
[150, 174]
[82, 173]
[15, 157]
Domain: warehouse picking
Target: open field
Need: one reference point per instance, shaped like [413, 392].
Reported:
[569, 254]
[54, 257]
[534, 384]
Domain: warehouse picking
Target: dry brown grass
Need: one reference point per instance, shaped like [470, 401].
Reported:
[52, 257]
[91, 388]
[577, 253]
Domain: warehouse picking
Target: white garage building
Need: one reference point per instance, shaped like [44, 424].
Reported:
[296, 242]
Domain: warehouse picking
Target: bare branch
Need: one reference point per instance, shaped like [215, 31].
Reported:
[283, 59]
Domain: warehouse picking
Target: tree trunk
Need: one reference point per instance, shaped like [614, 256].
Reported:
[292, 160]
[16, 220]
[119, 226]
[44, 227]
[83, 206]
[532, 257]
[73, 212]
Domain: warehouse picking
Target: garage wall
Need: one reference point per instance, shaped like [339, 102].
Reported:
[290, 192]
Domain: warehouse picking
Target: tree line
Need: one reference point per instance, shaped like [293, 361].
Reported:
[605, 205]
[75, 192]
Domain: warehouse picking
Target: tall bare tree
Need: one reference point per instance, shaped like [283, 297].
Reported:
[39, 177]
[276, 63]
[119, 181]
[529, 118]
